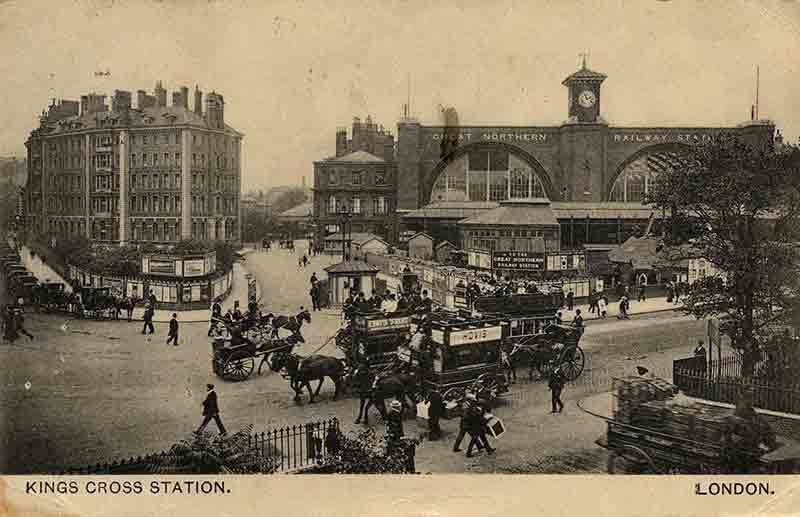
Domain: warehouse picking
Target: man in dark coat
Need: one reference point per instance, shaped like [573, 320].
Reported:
[173, 330]
[556, 384]
[570, 300]
[362, 380]
[148, 320]
[211, 411]
[435, 412]
[477, 429]
[464, 424]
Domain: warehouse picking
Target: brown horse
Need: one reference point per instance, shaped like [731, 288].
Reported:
[314, 367]
[393, 385]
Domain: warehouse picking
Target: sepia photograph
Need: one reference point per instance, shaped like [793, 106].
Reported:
[397, 238]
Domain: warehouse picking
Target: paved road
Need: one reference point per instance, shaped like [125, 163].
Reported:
[100, 391]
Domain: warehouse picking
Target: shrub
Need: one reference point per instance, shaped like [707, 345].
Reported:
[365, 453]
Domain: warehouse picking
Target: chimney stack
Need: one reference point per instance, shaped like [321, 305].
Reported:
[198, 101]
[185, 97]
[121, 101]
[161, 95]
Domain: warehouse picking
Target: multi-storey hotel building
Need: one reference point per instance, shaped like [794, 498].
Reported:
[149, 174]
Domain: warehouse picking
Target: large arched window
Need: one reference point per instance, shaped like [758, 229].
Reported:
[487, 175]
[633, 182]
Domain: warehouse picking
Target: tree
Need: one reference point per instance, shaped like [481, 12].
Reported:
[738, 206]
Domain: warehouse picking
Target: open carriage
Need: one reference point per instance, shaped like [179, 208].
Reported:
[235, 350]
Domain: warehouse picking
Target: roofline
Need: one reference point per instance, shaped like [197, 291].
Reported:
[134, 128]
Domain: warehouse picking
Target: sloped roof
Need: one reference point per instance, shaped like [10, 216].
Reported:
[451, 210]
[516, 213]
[640, 252]
[445, 243]
[584, 74]
[356, 238]
[360, 157]
[602, 210]
[147, 117]
[303, 210]
[420, 234]
[352, 266]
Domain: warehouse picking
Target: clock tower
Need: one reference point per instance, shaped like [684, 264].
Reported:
[584, 94]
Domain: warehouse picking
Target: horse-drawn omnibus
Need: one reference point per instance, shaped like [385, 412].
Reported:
[464, 350]
[373, 337]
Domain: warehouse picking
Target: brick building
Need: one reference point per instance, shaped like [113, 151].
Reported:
[151, 173]
[586, 174]
[360, 179]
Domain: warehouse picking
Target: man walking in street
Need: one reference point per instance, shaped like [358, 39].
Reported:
[593, 303]
[148, 320]
[363, 384]
[556, 384]
[577, 321]
[476, 427]
[435, 412]
[570, 300]
[173, 330]
[129, 304]
[602, 306]
[642, 294]
[211, 411]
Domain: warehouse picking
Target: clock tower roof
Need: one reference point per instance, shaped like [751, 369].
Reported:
[584, 75]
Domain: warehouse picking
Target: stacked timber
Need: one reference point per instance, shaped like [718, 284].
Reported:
[631, 392]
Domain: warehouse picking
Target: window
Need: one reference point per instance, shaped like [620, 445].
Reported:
[155, 159]
[103, 160]
[356, 178]
[164, 138]
[380, 178]
[379, 205]
[166, 158]
[177, 159]
[356, 205]
[146, 139]
[145, 161]
[194, 159]
[332, 205]
[133, 160]
[333, 177]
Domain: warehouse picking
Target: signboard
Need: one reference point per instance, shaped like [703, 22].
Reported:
[194, 267]
[386, 323]
[479, 259]
[466, 337]
[162, 267]
[566, 262]
[518, 260]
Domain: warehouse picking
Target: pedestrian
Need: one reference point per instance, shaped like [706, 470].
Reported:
[216, 315]
[314, 297]
[394, 426]
[152, 299]
[623, 308]
[211, 411]
[593, 298]
[508, 366]
[19, 323]
[577, 321]
[602, 306]
[464, 423]
[642, 295]
[556, 384]
[362, 380]
[305, 260]
[148, 320]
[237, 313]
[129, 307]
[570, 300]
[435, 412]
[173, 330]
[313, 279]
[476, 427]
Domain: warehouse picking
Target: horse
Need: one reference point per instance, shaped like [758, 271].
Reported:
[291, 323]
[314, 367]
[396, 384]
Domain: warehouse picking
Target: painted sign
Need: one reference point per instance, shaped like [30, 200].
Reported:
[162, 267]
[661, 138]
[465, 337]
[498, 135]
[194, 267]
[479, 259]
[388, 323]
[518, 260]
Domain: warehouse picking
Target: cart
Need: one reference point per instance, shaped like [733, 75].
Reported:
[700, 448]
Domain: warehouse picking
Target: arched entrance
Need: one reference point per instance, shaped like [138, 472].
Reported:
[632, 179]
[488, 171]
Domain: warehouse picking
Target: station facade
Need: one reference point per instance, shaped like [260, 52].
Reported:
[588, 175]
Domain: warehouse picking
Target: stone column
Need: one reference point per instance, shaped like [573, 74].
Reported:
[186, 184]
[123, 186]
[87, 193]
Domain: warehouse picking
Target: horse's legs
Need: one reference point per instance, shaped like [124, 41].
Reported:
[319, 386]
[263, 360]
[307, 384]
[336, 382]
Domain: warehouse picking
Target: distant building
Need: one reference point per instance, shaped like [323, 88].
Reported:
[146, 174]
[361, 181]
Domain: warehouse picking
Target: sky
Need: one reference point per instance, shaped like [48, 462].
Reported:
[292, 72]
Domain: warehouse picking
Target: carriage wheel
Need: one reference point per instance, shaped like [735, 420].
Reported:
[488, 379]
[454, 395]
[630, 460]
[572, 362]
[238, 367]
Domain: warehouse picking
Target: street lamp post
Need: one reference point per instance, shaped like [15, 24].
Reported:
[344, 221]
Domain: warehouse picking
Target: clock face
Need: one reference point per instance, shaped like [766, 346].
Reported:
[587, 99]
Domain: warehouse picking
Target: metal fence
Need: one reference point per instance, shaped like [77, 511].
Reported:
[722, 381]
[291, 448]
